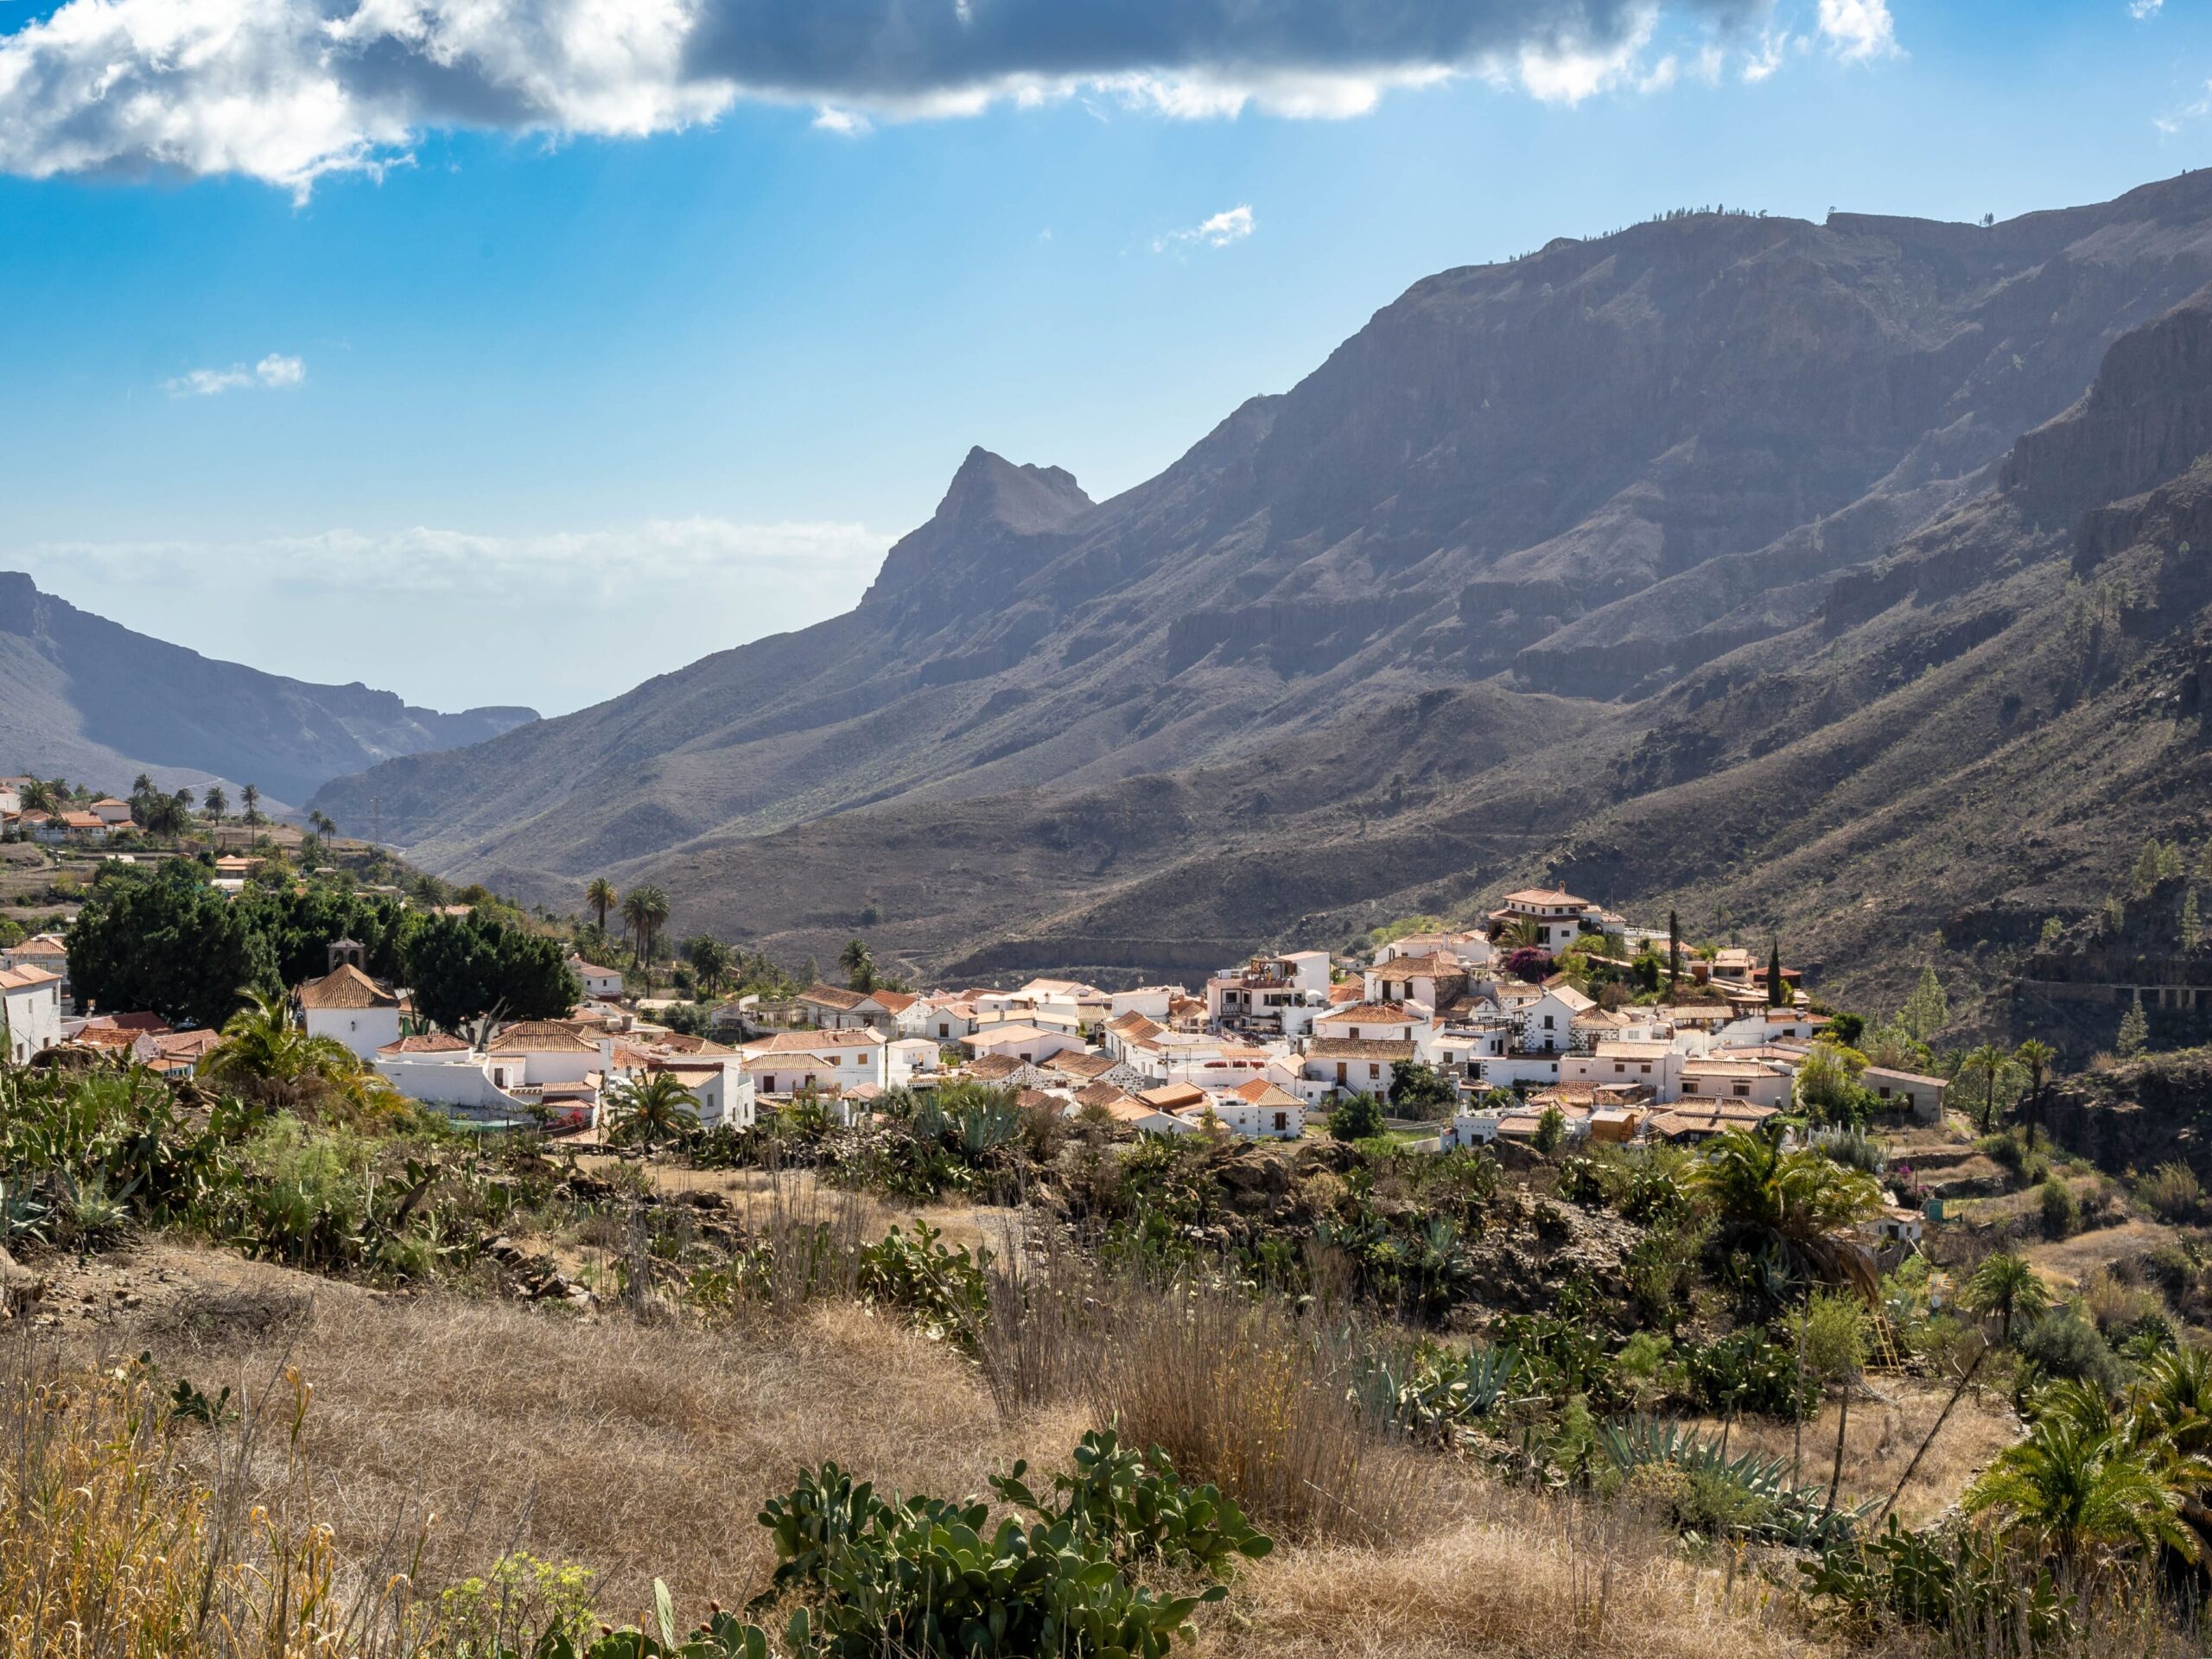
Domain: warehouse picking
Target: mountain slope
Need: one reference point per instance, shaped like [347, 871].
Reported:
[83, 697]
[1730, 488]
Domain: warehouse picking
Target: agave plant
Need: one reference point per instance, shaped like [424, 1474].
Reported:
[1785, 1513]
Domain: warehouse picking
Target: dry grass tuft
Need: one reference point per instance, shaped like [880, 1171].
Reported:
[1529, 1576]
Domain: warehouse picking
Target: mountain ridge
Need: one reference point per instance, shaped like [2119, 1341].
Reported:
[85, 698]
[1643, 474]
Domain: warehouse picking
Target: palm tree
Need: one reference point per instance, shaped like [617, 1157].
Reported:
[602, 897]
[320, 825]
[1803, 1205]
[141, 785]
[645, 910]
[1988, 1060]
[1519, 934]
[2005, 1285]
[2080, 1488]
[262, 1049]
[859, 964]
[251, 798]
[659, 1109]
[709, 959]
[218, 801]
[2038, 1057]
[38, 796]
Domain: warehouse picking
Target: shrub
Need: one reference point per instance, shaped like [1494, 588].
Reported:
[943, 1290]
[2171, 1192]
[1141, 1510]
[2055, 1205]
[1750, 1371]
[920, 1576]
[2063, 1344]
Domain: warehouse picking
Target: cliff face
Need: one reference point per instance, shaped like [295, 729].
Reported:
[1689, 503]
[85, 698]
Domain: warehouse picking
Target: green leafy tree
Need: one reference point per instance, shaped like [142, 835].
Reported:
[1419, 1090]
[463, 968]
[1674, 951]
[2054, 932]
[1551, 1130]
[218, 801]
[1358, 1117]
[2006, 1286]
[1927, 1011]
[168, 943]
[2135, 1030]
[1776, 994]
[2191, 924]
[301, 925]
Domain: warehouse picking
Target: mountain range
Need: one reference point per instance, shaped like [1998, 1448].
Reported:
[1827, 579]
[89, 700]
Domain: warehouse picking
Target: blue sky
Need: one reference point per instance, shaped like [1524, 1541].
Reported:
[478, 397]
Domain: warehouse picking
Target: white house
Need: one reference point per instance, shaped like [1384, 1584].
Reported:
[349, 1007]
[1260, 1110]
[30, 1011]
[1554, 916]
[1473, 950]
[1274, 990]
[1652, 1066]
[1920, 1096]
[1431, 980]
[1347, 1067]
[1033, 1043]
[1379, 1022]
[908, 1057]
[1756, 1081]
[941, 1019]
[1153, 1002]
[791, 1062]
[1548, 1023]
[604, 983]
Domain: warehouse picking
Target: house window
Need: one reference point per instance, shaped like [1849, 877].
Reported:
[1282, 1121]
[1373, 1070]
[1548, 1022]
[1645, 1068]
[944, 1030]
[1621, 1067]
[1743, 1088]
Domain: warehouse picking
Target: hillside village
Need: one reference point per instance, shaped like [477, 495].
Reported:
[1482, 1034]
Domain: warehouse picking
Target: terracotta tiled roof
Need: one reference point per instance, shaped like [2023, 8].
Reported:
[21, 979]
[346, 987]
[1261, 1092]
[829, 996]
[813, 1042]
[1545, 896]
[993, 1068]
[541, 1037]
[435, 1042]
[1073, 1063]
[1368, 1013]
[1342, 1048]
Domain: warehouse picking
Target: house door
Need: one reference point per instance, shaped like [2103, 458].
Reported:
[1341, 1074]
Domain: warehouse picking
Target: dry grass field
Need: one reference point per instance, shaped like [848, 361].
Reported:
[644, 1450]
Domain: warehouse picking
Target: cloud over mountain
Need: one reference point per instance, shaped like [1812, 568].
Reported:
[288, 91]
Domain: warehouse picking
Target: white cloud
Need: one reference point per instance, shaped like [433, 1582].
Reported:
[292, 91]
[415, 601]
[1223, 228]
[1858, 31]
[849, 123]
[1773, 44]
[275, 370]
[2140, 9]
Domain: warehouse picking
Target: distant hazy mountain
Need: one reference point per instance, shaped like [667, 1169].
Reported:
[1667, 563]
[89, 700]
